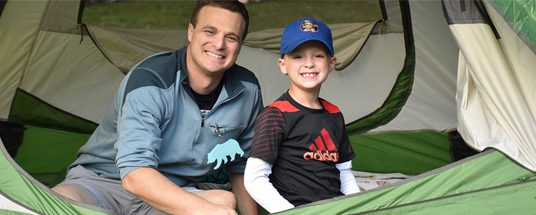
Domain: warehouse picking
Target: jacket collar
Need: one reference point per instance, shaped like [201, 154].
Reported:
[231, 84]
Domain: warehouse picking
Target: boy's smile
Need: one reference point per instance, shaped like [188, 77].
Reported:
[307, 66]
[309, 74]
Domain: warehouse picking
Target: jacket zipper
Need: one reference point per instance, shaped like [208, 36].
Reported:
[218, 104]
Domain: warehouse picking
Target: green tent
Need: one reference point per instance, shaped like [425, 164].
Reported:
[420, 80]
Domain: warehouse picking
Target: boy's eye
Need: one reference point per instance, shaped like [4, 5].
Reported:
[296, 57]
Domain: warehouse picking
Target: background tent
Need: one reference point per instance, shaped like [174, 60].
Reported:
[404, 83]
[495, 109]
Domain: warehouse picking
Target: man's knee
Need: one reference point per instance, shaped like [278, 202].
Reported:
[75, 192]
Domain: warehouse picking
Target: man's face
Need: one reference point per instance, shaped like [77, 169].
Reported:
[215, 41]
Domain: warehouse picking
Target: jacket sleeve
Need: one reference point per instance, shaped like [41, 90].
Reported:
[138, 126]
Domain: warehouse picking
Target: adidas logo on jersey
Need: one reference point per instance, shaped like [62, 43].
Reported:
[322, 149]
[321, 156]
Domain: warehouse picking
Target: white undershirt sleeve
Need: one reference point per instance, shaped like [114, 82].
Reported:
[348, 182]
[261, 189]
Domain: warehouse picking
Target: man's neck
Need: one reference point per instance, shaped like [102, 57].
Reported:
[200, 81]
[202, 84]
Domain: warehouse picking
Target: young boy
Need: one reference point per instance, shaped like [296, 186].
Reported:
[301, 152]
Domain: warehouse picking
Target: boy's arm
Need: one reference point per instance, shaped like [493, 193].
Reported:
[246, 204]
[348, 182]
[259, 187]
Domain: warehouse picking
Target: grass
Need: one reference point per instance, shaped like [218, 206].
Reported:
[174, 14]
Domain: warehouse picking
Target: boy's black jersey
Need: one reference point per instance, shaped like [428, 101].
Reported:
[303, 145]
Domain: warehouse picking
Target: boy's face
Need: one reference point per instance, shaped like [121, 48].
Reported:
[307, 66]
[215, 41]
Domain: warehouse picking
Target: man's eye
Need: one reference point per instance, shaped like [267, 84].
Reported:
[210, 32]
[232, 39]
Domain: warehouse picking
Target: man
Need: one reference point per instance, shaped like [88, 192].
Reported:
[177, 117]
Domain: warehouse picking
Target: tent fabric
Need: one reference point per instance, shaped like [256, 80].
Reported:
[61, 149]
[434, 75]
[28, 108]
[407, 152]
[408, 80]
[368, 78]
[458, 187]
[30, 55]
[126, 47]
[60, 20]
[391, 18]
[19, 26]
[400, 91]
[29, 193]
[496, 90]
[9, 207]
[521, 18]
[373, 75]
[75, 70]
[348, 39]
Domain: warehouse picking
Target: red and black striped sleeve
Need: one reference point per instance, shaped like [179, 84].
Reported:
[270, 130]
[346, 153]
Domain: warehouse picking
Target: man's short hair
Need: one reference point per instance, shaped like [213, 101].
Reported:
[231, 5]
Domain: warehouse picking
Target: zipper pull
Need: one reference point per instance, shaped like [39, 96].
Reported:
[217, 132]
[203, 113]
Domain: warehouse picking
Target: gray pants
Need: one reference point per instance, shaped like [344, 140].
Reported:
[109, 193]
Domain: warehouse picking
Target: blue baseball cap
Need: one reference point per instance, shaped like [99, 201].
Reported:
[304, 30]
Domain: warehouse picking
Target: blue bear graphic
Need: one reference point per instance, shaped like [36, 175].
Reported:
[220, 152]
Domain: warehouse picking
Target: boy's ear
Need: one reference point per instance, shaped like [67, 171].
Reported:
[282, 67]
[332, 63]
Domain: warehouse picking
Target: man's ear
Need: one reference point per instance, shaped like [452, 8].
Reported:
[191, 30]
[282, 67]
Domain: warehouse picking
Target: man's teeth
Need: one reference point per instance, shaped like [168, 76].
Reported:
[215, 55]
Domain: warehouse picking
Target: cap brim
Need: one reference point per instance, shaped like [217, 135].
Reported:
[297, 43]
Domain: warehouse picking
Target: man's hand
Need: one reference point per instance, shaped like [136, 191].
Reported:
[154, 188]
[222, 201]
[215, 209]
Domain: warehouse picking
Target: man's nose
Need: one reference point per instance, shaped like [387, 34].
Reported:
[219, 42]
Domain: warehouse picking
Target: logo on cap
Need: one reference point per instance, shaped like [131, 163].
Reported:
[308, 26]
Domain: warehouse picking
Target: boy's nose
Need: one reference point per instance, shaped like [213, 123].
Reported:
[309, 62]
